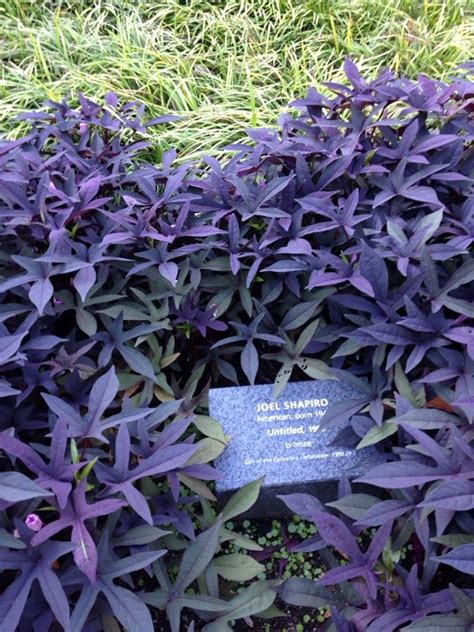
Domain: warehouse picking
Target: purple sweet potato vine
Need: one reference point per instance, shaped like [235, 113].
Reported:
[337, 246]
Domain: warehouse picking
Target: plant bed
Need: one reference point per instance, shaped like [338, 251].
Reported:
[337, 245]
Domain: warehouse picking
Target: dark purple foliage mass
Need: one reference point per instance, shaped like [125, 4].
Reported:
[338, 246]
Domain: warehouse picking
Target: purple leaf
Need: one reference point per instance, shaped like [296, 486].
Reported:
[16, 487]
[40, 294]
[84, 280]
[455, 495]
[302, 504]
[335, 533]
[384, 511]
[249, 361]
[392, 476]
[169, 271]
[460, 558]
[102, 395]
[85, 555]
[9, 346]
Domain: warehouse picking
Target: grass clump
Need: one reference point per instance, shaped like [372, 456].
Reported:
[224, 65]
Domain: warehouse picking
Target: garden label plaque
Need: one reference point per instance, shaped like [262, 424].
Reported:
[281, 438]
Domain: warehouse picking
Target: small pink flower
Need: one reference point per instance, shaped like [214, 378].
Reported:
[82, 128]
[57, 301]
[33, 522]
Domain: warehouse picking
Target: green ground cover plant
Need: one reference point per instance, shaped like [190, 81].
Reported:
[224, 65]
